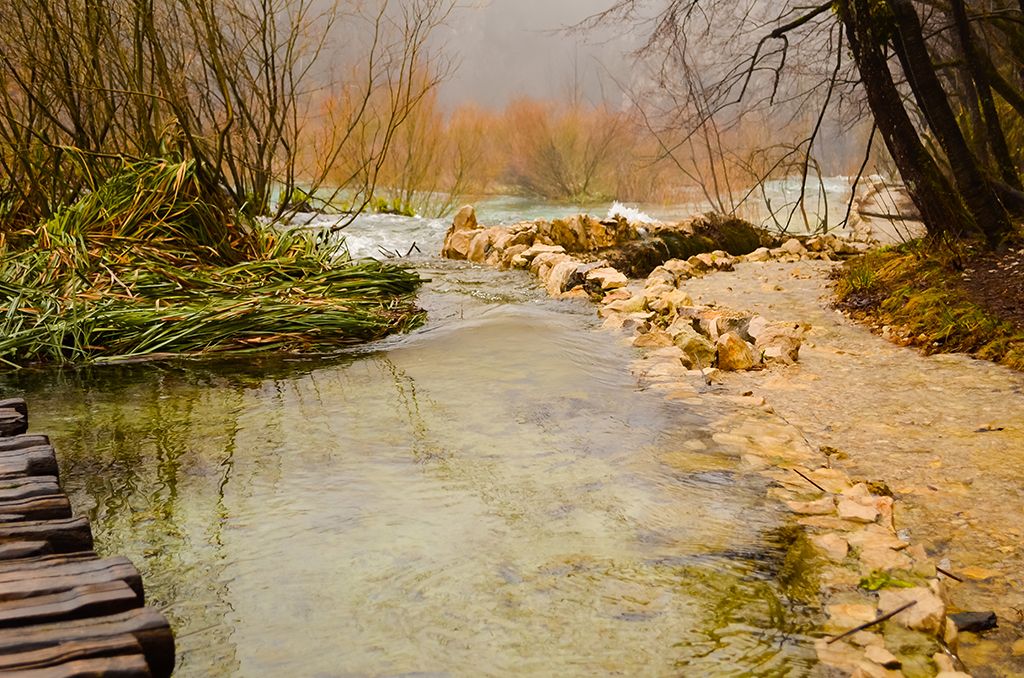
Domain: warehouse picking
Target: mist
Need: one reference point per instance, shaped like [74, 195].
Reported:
[504, 49]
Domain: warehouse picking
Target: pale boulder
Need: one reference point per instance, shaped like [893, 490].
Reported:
[928, 614]
[607, 278]
[793, 246]
[653, 339]
[777, 342]
[760, 254]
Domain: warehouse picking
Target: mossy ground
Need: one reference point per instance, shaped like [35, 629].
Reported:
[921, 293]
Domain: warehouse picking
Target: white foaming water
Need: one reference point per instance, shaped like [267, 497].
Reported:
[630, 214]
[381, 236]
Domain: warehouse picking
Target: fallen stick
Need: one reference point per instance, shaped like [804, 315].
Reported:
[948, 574]
[810, 481]
[871, 623]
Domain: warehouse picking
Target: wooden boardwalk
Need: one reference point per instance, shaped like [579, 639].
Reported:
[64, 611]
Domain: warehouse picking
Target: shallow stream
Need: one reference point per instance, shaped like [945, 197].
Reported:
[490, 495]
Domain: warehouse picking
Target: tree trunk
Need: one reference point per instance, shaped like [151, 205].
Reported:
[983, 89]
[977, 193]
[940, 207]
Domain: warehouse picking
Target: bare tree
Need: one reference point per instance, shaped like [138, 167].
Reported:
[905, 58]
[228, 84]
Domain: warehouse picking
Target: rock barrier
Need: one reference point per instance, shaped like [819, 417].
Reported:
[883, 597]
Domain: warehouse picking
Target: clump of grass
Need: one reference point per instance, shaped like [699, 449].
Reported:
[917, 291]
[148, 262]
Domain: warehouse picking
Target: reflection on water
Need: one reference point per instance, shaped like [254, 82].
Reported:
[488, 496]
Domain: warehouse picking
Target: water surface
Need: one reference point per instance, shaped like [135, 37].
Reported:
[491, 495]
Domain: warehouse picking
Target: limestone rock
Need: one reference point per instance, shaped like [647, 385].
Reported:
[778, 342]
[669, 303]
[545, 259]
[631, 304]
[456, 244]
[461, 233]
[653, 339]
[478, 247]
[541, 248]
[927, 615]
[607, 278]
[760, 254]
[679, 268]
[561, 277]
[511, 258]
[699, 351]
[851, 509]
[875, 558]
[465, 219]
[793, 246]
[660, 275]
[734, 354]
[832, 545]
[818, 507]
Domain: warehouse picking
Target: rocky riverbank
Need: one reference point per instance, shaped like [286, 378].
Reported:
[869, 574]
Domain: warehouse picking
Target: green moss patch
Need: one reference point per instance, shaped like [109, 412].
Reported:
[921, 294]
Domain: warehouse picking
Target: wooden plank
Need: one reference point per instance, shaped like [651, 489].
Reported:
[17, 404]
[24, 549]
[39, 460]
[63, 536]
[149, 628]
[80, 602]
[54, 576]
[121, 666]
[69, 652]
[20, 442]
[38, 508]
[46, 561]
[12, 422]
[14, 489]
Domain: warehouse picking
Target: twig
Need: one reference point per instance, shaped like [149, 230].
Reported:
[871, 623]
[948, 574]
[810, 481]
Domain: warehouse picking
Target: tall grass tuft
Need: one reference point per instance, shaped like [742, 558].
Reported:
[149, 262]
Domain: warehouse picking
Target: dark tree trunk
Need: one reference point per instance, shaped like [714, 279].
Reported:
[975, 66]
[977, 193]
[941, 210]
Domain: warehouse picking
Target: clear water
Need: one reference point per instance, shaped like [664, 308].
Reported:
[490, 495]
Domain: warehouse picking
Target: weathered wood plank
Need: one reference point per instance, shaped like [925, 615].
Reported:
[63, 536]
[38, 508]
[12, 422]
[47, 561]
[14, 489]
[51, 576]
[30, 461]
[69, 652]
[80, 602]
[21, 442]
[17, 404]
[149, 628]
[121, 666]
[24, 549]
